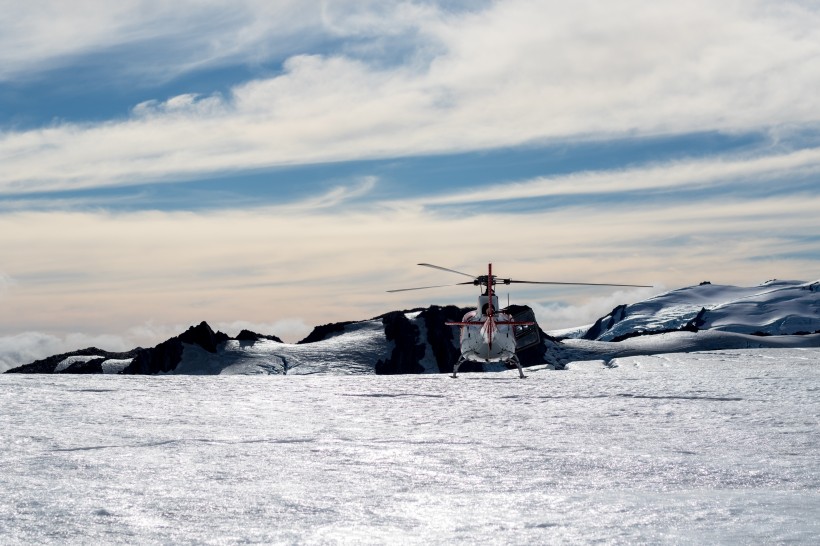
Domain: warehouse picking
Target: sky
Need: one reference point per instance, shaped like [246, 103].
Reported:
[275, 165]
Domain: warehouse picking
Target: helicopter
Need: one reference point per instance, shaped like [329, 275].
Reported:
[495, 340]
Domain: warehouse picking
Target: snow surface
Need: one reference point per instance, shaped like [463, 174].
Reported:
[351, 352]
[356, 351]
[713, 447]
[775, 307]
[64, 364]
[115, 365]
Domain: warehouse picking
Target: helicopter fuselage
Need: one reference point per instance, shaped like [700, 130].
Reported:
[484, 339]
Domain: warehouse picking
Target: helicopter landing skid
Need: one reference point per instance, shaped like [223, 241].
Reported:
[512, 360]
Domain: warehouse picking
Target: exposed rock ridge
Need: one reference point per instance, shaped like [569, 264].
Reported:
[606, 322]
[405, 357]
[407, 351]
[166, 356]
[49, 364]
[247, 335]
[442, 339]
[325, 331]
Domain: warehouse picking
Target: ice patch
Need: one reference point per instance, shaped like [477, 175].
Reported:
[64, 364]
[114, 365]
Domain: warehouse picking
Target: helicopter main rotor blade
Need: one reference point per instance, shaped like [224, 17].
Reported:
[426, 287]
[450, 270]
[511, 281]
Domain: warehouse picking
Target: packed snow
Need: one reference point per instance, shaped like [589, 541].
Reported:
[115, 365]
[710, 447]
[353, 351]
[71, 360]
[773, 308]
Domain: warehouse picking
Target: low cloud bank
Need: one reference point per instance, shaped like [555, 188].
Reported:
[30, 346]
[558, 316]
[27, 347]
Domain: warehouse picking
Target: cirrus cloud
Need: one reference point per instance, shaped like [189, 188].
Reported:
[512, 73]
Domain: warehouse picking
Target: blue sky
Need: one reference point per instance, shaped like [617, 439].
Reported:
[280, 164]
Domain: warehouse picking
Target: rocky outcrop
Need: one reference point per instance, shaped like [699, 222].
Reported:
[325, 331]
[604, 323]
[166, 356]
[411, 339]
[203, 336]
[247, 335]
[160, 359]
[407, 352]
[443, 339]
[94, 365]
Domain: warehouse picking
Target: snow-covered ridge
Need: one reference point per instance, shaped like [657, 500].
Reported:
[772, 308]
[395, 343]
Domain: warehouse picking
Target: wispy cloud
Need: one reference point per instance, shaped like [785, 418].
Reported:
[514, 72]
[27, 347]
[556, 316]
[334, 264]
[160, 39]
[402, 79]
[333, 198]
[690, 174]
[5, 283]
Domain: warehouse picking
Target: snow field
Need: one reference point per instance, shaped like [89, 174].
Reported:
[702, 447]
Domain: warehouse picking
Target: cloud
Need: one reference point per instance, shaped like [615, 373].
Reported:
[334, 197]
[102, 272]
[556, 316]
[5, 283]
[27, 347]
[405, 78]
[510, 73]
[689, 174]
[160, 40]
[289, 330]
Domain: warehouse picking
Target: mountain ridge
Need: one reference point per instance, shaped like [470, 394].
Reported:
[700, 317]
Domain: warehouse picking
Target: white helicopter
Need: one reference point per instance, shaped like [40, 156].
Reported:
[495, 340]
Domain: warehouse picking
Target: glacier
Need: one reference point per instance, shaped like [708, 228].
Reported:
[698, 447]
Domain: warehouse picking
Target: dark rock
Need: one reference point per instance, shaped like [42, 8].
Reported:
[162, 358]
[203, 336]
[407, 352]
[47, 365]
[443, 339]
[247, 335]
[166, 356]
[604, 323]
[696, 323]
[88, 367]
[325, 331]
